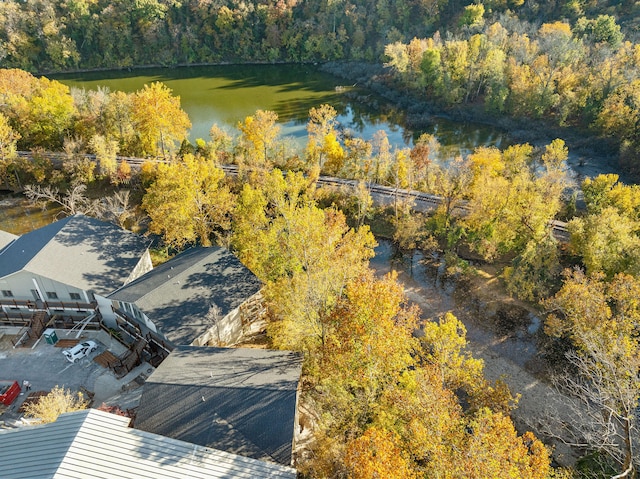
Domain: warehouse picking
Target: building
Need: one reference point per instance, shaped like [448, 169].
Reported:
[6, 238]
[78, 266]
[93, 444]
[64, 267]
[203, 296]
[243, 401]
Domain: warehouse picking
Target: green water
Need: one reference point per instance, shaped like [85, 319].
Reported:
[226, 94]
[19, 216]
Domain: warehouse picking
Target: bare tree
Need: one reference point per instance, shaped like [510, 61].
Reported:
[118, 208]
[72, 202]
[600, 410]
[607, 388]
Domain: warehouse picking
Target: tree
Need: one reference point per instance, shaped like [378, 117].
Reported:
[73, 201]
[259, 133]
[607, 242]
[375, 455]
[43, 116]
[443, 347]
[304, 254]
[510, 201]
[8, 140]
[106, 152]
[188, 202]
[158, 118]
[322, 123]
[601, 318]
[58, 401]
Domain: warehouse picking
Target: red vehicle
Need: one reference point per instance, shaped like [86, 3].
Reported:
[9, 391]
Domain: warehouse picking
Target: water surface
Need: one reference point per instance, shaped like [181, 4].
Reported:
[225, 95]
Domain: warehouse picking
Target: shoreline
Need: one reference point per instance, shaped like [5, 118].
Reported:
[589, 155]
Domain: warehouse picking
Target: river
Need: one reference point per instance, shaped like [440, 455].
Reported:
[227, 94]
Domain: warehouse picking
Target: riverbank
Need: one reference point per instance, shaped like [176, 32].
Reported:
[589, 156]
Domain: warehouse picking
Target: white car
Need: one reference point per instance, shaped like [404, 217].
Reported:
[80, 350]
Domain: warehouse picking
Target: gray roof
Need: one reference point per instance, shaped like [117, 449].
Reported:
[178, 294]
[80, 251]
[6, 238]
[94, 444]
[238, 400]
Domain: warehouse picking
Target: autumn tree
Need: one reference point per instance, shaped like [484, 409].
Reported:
[158, 118]
[376, 454]
[304, 254]
[258, 136]
[58, 401]
[8, 140]
[41, 110]
[368, 347]
[323, 137]
[511, 203]
[607, 238]
[188, 202]
[106, 152]
[600, 318]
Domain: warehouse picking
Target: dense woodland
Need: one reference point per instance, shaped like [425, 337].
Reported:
[569, 62]
[381, 402]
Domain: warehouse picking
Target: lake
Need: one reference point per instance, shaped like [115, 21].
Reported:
[227, 94]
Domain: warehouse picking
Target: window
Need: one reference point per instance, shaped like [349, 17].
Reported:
[52, 295]
[75, 296]
[7, 293]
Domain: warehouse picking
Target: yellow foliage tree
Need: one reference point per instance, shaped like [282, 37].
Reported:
[188, 202]
[58, 401]
[158, 118]
[376, 455]
[259, 133]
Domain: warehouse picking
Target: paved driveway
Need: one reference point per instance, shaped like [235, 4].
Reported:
[45, 367]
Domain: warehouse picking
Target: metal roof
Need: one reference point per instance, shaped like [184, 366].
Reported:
[239, 400]
[80, 251]
[94, 444]
[178, 294]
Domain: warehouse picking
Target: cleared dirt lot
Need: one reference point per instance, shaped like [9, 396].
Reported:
[45, 367]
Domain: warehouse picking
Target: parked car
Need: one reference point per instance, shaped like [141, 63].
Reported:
[9, 391]
[80, 350]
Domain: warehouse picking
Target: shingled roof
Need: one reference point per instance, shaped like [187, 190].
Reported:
[80, 251]
[6, 238]
[177, 295]
[93, 444]
[240, 400]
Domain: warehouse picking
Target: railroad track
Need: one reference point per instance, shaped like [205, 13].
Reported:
[422, 201]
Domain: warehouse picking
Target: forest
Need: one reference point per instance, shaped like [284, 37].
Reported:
[569, 62]
[384, 401]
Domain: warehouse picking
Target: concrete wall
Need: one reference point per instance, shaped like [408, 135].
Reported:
[232, 328]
